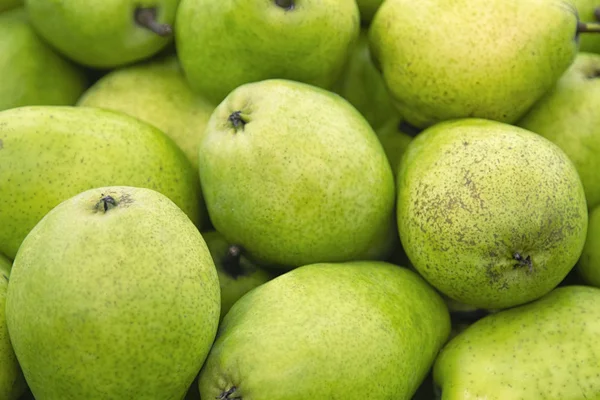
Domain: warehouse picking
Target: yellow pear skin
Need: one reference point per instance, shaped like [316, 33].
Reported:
[50, 153]
[157, 93]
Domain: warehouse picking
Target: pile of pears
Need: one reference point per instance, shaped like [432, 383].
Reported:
[299, 200]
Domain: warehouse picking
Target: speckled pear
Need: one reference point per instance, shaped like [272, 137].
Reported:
[588, 266]
[490, 214]
[356, 330]
[547, 349]
[121, 278]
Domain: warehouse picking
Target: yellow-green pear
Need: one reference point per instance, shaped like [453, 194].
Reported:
[12, 382]
[589, 263]
[491, 214]
[295, 175]
[394, 141]
[547, 349]
[589, 11]
[10, 4]
[487, 59]
[223, 44]
[355, 330]
[113, 295]
[104, 34]
[569, 116]
[31, 72]
[50, 153]
[155, 92]
[237, 274]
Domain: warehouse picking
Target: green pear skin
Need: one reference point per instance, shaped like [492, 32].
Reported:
[362, 85]
[12, 381]
[568, 116]
[444, 60]
[10, 4]
[547, 349]
[588, 266]
[295, 175]
[32, 72]
[155, 92]
[119, 279]
[50, 153]
[223, 44]
[103, 34]
[353, 330]
[237, 274]
[589, 11]
[394, 142]
[492, 215]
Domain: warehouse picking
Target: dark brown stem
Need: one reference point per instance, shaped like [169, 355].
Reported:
[146, 17]
[589, 27]
[231, 261]
[106, 203]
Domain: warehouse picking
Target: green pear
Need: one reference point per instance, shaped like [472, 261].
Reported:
[10, 4]
[51, 153]
[355, 330]
[32, 72]
[568, 116]
[368, 8]
[295, 175]
[547, 349]
[12, 382]
[394, 142]
[237, 274]
[155, 92]
[445, 59]
[492, 215]
[362, 85]
[589, 11]
[104, 34]
[589, 263]
[223, 44]
[121, 279]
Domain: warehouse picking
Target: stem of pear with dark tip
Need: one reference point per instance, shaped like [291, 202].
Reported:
[589, 27]
[236, 120]
[146, 17]
[226, 394]
[231, 261]
[285, 4]
[106, 203]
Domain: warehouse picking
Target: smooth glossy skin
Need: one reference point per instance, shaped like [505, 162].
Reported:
[50, 154]
[304, 180]
[589, 43]
[233, 287]
[12, 382]
[363, 86]
[155, 92]
[223, 44]
[589, 263]
[502, 57]
[568, 116]
[32, 72]
[545, 350]
[490, 214]
[131, 290]
[329, 331]
[100, 34]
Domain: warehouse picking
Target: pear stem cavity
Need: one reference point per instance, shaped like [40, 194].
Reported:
[146, 17]
[231, 261]
[225, 395]
[236, 120]
[583, 27]
[106, 203]
[523, 261]
[285, 4]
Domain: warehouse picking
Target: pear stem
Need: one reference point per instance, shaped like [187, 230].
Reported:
[225, 395]
[231, 261]
[236, 120]
[146, 17]
[285, 4]
[106, 203]
[590, 27]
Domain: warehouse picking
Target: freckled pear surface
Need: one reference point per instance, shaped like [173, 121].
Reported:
[113, 299]
[295, 175]
[547, 349]
[490, 214]
[503, 55]
[329, 331]
[50, 153]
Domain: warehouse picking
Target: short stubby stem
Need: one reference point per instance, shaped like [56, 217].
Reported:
[231, 261]
[237, 120]
[228, 394]
[590, 27]
[146, 17]
[106, 203]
